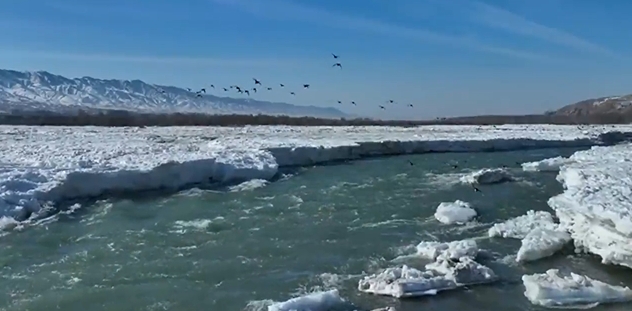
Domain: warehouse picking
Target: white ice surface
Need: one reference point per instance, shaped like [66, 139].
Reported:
[519, 227]
[596, 205]
[438, 276]
[457, 212]
[541, 243]
[39, 164]
[546, 165]
[487, 176]
[443, 250]
[318, 301]
[552, 289]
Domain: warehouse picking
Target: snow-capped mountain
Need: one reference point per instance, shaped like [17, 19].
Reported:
[611, 104]
[41, 90]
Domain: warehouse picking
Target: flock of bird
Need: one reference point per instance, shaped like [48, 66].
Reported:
[247, 91]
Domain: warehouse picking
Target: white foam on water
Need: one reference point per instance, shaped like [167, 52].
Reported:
[41, 164]
[457, 212]
[552, 289]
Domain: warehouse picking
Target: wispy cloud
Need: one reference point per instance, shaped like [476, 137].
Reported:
[164, 60]
[287, 10]
[502, 19]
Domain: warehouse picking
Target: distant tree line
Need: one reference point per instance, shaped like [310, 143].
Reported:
[126, 118]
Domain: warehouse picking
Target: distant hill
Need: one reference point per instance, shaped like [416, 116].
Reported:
[27, 92]
[620, 105]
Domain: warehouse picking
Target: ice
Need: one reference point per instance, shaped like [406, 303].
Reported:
[487, 176]
[438, 276]
[546, 165]
[317, 301]
[46, 164]
[443, 250]
[596, 205]
[552, 289]
[519, 227]
[457, 212]
[541, 243]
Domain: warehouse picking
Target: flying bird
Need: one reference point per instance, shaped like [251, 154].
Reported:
[340, 102]
[391, 101]
[254, 89]
[213, 86]
[199, 95]
[337, 65]
[162, 91]
[238, 88]
[240, 91]
[256, 81]
[269, 89]
[247, 92]
[292, 93]
[306, 86]
[411, 163]
[410, 105]
[353, 103]
[334, 55]
[225, 89]
[382, 107]
[203, 90]
[282, 85]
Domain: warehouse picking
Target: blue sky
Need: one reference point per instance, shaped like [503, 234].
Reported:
[447, 57]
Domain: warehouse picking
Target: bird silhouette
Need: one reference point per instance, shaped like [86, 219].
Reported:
[256, 81]
[411, 163]
[382, 107]
[340, 102]
[410, 105]
[238, 88]
[334, 55]
[269, 89]
[337, 65]
[199, 95]
[391, 101]
[213, 86]
[240, 91]
[254, 89]
[162, 91]
[247, 92]
[353, 103]
[306, 86]
[225, 89]
[292, 93]
[203, 90]
[282, 85]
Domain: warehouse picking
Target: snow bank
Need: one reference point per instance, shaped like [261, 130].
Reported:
[318, 301]
[551, 289]
[487, 176]
[445, 274]
[39, 164]
[596, 205]
[541, 243]
[457, 212]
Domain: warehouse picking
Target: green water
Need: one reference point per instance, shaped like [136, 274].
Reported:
[320, 228]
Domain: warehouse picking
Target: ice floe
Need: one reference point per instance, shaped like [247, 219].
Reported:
[317, 301]
[552, 289]
[457, 212]
[41, 164]
[541, 243]
[444, 274]
[546, 165]
[596, 205]
[519, 227]
[443, 250]
[487, 176]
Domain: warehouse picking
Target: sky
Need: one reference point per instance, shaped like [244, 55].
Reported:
[446, 57]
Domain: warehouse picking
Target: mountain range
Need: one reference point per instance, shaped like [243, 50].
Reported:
[604, 105]
[24, 91]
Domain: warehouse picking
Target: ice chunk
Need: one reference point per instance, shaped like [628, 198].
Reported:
[457, 212]
[442, 275]
[487, 176]
[546, 165]
[541, 243]
[450, 250]
[317, 301]
[520, 226]
[552, 289]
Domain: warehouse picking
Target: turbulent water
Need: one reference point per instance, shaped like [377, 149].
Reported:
[316, 228]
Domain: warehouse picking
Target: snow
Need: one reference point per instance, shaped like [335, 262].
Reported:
[552, 289]
[541, 243]
[41, 166]
[444, 274]
[546, 165]
[596, 205]
[317, 301]
[487, 176]
[457, 212]
[521, 226]
[433, 250]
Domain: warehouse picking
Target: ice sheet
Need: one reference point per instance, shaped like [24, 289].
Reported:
[457, 212]
[519, 227]
[541, 243]
[39, 164]
[487, 176]
[318, 301]
[552, 289]
[445, 274]
[596, 205]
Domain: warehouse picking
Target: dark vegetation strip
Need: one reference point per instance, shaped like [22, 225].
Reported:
[126, 118]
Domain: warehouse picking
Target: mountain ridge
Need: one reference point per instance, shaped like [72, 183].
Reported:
[45, 91]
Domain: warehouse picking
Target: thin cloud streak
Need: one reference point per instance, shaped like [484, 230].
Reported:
[173, 60]
[502, 19]
[286, 10]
